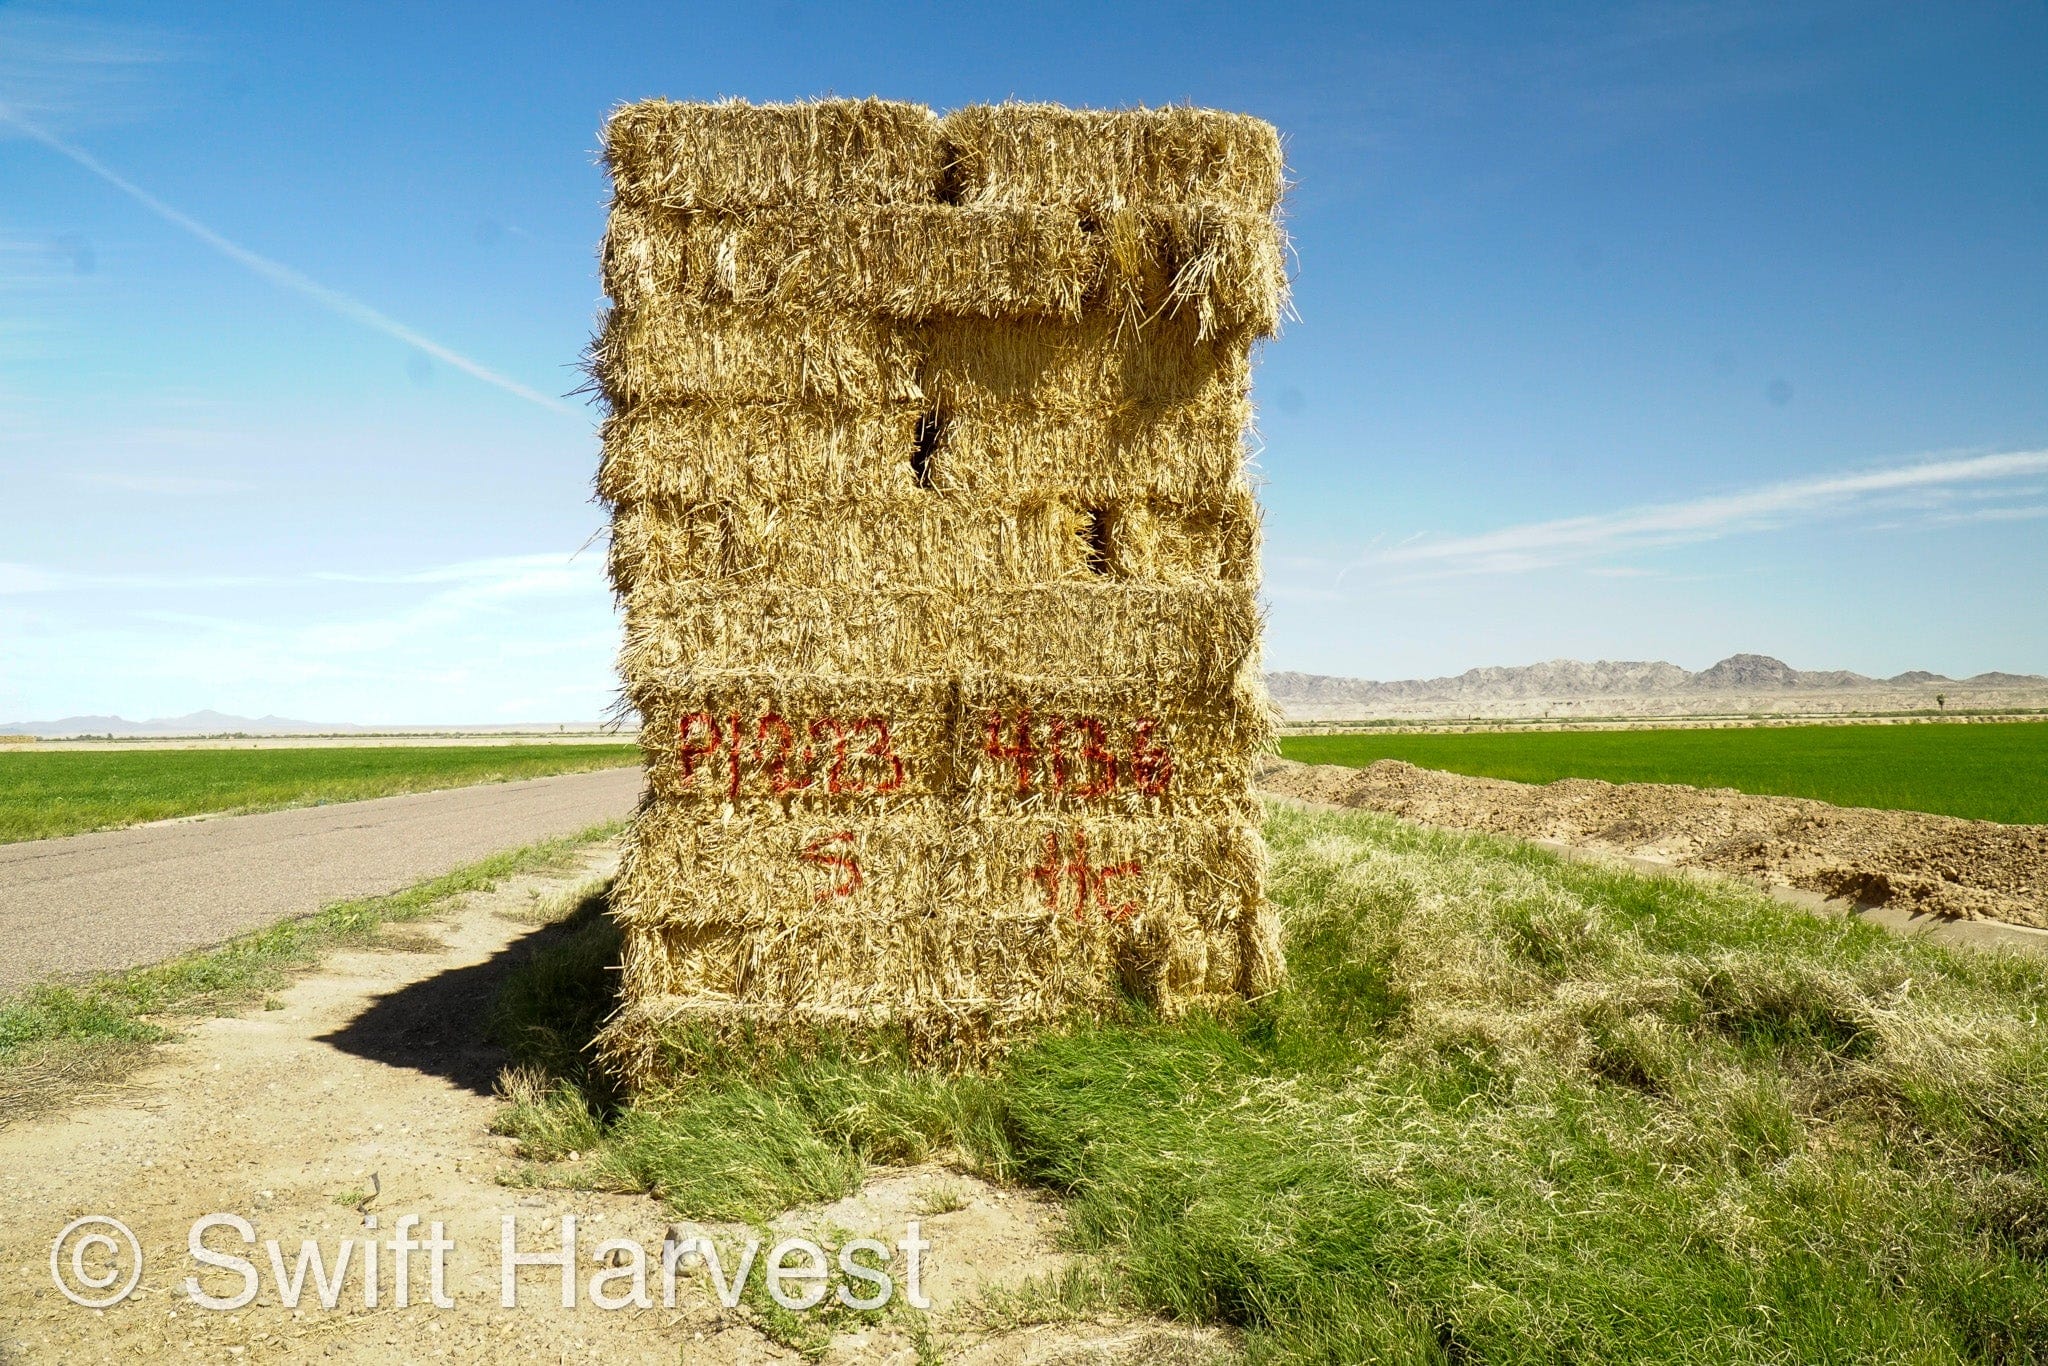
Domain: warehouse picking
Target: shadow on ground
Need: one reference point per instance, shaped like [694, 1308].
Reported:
[443, 1025]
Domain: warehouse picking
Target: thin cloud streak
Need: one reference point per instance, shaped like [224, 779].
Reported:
[1540, 545]
[282, 275]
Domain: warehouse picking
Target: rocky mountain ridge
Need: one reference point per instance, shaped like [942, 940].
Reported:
[1570, 680]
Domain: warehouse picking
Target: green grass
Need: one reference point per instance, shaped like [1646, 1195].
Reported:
[57, 1035]
[66, 792]
[1993, 771]
[1507, 1109]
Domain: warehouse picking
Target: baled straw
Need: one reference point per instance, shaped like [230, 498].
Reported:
[943, 541]
[686, 453]
[913, 262]
[1165, 639]
[735, 155]
[1093, 159]
[938, 558]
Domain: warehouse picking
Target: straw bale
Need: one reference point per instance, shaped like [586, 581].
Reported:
[736, 355]
[748, 742]
[931, 525]
[939, 540]
[736, 155]
[1040, 746]
[1169, 638]
[964, 933]
[1106, 159]
[751, 740]
[749, 354]
[1099, 365]
[914, 262]
[705, 452]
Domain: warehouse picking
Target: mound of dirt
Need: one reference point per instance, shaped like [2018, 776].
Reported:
[1935, 865]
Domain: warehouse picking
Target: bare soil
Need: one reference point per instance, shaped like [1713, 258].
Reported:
[371, 1074]
[1923, 864]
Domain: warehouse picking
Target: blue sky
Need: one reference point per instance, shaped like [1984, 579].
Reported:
[1626, 331]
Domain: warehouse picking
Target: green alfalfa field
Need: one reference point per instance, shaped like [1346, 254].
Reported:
[67, 792]
[1990, 771]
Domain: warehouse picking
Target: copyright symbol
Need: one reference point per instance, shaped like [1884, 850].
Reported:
[98, 1236]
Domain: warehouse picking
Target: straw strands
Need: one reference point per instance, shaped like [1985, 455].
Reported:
[926, 455]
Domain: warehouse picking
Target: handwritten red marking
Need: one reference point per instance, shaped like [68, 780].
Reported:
[884, 749]
[1090, 884]
[1095, 751]
[1151, 766]
[835, 777]
[687, 752]
[1023, 754]
[846, 877]
[777, 765]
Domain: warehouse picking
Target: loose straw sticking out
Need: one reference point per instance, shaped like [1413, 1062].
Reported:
[931, 524]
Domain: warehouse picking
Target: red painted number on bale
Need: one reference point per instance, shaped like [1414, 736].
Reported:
[1089, 884]
[882, 749]
[1021, 753]
[688, 749]
[1151, 769]
[776, 764]
[1077, 755]
[834, 780]
[846, 878]
[856, 755]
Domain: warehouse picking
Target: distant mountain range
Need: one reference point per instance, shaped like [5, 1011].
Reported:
[220, 723]
[1632, 686]
[1562, 680]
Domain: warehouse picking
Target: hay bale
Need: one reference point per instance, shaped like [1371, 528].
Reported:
[687, 453]
[734, 155]
[938, 558]
[1098, 160]
[1168, 639]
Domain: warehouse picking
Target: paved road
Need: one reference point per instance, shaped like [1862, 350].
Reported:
[119, 898]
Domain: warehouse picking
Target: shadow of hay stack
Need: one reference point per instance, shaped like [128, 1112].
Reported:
[938, 560]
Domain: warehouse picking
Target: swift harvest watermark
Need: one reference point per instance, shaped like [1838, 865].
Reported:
[97, 1262]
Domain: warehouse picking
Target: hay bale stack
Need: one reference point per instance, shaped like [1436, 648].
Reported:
[938, 561]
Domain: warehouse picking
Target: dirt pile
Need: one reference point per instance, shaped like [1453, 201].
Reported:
[1936, 865]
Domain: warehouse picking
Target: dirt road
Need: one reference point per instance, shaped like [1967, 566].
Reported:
[369, 1078]
[91, 903]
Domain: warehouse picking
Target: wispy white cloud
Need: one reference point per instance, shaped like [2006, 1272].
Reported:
[2025, 513]
[507, 636]
[1568, 540]
[82, 72]
[279, 274]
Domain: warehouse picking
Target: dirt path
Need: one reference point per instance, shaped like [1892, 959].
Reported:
[1906, 860]
[370, 1073]
[119, 898]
